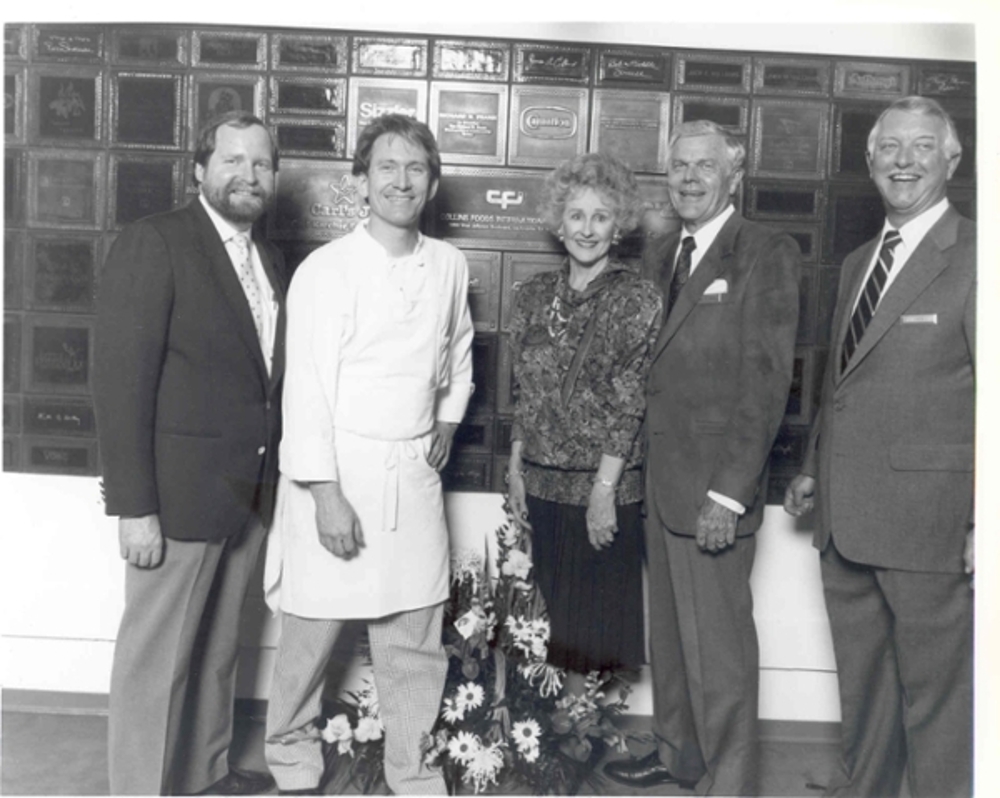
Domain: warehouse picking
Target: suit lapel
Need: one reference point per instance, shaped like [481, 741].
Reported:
[922, 268]
[712, 264]
[221, 268]
[846, 307]
[278, 287]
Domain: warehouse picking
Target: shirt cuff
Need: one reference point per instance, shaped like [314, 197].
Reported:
[725, 501]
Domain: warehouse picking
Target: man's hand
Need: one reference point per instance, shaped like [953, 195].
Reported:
[140, 540]
[602, 521]
[337, 524]
[969, 555]
[800, 495]
[716, 527]
[441, 439]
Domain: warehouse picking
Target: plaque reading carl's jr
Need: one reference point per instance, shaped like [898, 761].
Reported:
[317, 201]
[59, 354]
[469, 122]
[547, 125]
[632, 127]
[790, 138]
[370, 98]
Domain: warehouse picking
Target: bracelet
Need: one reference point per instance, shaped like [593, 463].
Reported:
[518, 471]
[605, 482]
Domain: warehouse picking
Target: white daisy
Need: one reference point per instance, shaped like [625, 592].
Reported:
[470, 696]
[464, 746]
[452, 712]
[526, 734]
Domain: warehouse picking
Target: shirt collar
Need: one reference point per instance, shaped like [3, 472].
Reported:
[705, 235]
[913, 232]
[225, 228]
[418, 251]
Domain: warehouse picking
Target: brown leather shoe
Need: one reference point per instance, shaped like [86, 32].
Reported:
[241, 782]
[646, 772]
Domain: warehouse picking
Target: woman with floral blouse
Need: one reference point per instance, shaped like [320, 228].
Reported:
[582, 339]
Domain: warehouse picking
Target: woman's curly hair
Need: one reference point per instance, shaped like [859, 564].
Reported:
[608, 176]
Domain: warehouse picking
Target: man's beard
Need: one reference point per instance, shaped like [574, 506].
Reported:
[240, 209]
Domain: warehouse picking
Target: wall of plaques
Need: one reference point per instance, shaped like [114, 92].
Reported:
[99, 123]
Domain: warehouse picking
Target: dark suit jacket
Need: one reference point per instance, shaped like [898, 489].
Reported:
[721, 370]
[892, 445]
[188, 418]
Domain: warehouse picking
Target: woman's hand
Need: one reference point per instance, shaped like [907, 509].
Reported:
[516, 496]
[602, 521]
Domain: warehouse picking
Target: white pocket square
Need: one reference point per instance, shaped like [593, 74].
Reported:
[919, 318]
[719, 286]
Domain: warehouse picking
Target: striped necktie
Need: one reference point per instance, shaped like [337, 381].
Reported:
[869, 298]
[241, 242]
[682, 271]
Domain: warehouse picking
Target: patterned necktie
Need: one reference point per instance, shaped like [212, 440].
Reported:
[869, 298]
[241, 241]
[682, 270]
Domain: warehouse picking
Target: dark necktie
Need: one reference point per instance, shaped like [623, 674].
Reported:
[682, 271]
[868, 300]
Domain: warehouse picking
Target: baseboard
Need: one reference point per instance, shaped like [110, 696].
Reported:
[47, 702]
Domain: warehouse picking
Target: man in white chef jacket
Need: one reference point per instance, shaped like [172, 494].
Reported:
[378, 376]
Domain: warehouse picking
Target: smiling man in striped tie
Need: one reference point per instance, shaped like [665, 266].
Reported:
[890, 463]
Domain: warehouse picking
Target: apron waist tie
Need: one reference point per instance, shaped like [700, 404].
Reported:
[390, 489]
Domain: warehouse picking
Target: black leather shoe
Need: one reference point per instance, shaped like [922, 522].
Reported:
[241, 782]
[646, 772]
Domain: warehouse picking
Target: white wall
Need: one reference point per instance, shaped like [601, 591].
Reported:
[60, 574]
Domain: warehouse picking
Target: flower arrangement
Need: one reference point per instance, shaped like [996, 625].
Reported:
[503, 725]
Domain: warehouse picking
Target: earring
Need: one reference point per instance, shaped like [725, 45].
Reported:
[616, 238]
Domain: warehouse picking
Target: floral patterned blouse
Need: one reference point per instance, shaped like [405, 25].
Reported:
[565, 428]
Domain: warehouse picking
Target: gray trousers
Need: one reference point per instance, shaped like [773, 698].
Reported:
[410, 667]
[174, 672]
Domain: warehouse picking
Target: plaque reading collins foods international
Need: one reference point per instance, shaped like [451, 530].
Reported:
[59, 354]
[61, 273]
[381, 55]
[308, 95]
[716, 73]
[877, 81]
[317, 201]
[790, 138]
[649, 69]
[547, 125]
[370, 98]
[551, 63]
[491, 209]
[470, 60]
[152, 47]
[731, 113]
[69, 43]
[802, 77]
[293, 51]
[229, 49]
[469, 122]
[145, 110]
[67, 106]
[141, 187]
[632, 126]
[65, 188]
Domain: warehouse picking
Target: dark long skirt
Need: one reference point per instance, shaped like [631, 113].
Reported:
[594, 597]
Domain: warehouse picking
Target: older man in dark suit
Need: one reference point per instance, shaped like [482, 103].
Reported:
[891, 463]
[716, 395]
[189, 363]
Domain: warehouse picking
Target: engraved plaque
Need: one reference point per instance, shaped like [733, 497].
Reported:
[228, 49]
[852, 124]
[784, 201]
[484, 290]
[313, 96]
[633, 127]
[60, 456]
[59, 354]
[64, 189]
[13, 269]
[491, 209]
[484, 370]
[11, 353]
[145, 110]
[141, 188]
[303, 51]
[517, 268]
[471, 60]
[380, 55]
[316, 201]
[864, 79]
[946, 81]
[633, 67]
[469, 122]
[370, 98]
[855, 215]
[715, 73]
[44, 416]
[218, 94]
[311, 137]
[13, 110]
[467, 473]
[731, 113]
[551, 63]
[798, 76]
[790, 138]
[474, 434]
[15, 46]
[68, 107]
[61, 273]
[547, 125]
[145, 46]
[69, 43]
[503, 435]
